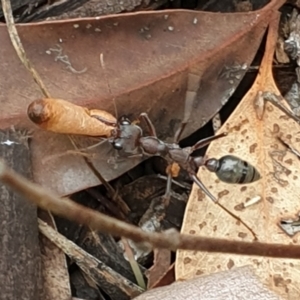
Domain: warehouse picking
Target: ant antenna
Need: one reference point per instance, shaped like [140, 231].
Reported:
[107, 83]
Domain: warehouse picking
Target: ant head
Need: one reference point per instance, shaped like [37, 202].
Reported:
[117, 131]
[121, 134]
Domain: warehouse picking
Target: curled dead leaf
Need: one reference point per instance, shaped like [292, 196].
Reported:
[61, 116]
[240, 283]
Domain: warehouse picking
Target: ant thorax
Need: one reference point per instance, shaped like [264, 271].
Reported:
[153, 146]
[178, 154]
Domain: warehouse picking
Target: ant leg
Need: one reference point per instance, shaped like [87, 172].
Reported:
[206, 191]
[179, 132]
[118, 159]
[141, 155]
[105, 121]
[207, 141]
[172, 170]
[145, 117]
[166, 197]
[203, 187]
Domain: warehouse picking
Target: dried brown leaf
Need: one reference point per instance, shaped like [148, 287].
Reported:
[240, 283]
[148, 58]
[255, 141]
[161, 264]
[167, 279]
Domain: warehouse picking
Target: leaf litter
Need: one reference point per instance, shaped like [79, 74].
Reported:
[225, 75]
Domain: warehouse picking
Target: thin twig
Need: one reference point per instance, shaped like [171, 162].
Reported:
[107, 83]
[169, 239]
[15, 39]
[112, 193]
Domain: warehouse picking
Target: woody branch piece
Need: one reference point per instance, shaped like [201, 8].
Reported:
[170, 239]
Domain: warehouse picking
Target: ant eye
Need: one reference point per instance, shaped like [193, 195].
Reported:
[125, 122]
[117, 145]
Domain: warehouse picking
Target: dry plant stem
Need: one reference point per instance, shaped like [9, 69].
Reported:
[113, 194]
[170, 239]
[15, 39]
[134, 265]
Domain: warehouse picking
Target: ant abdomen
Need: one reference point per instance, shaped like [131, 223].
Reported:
[232, 169]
